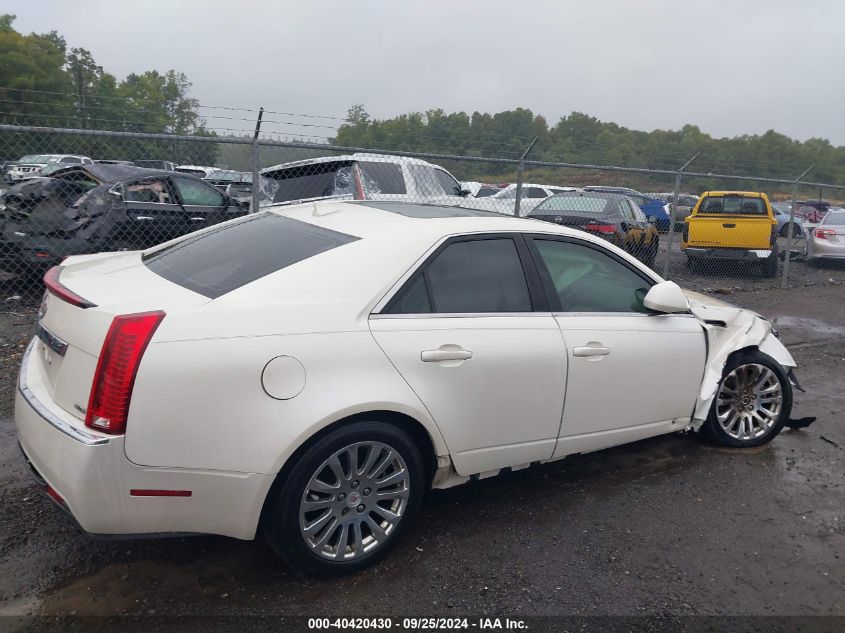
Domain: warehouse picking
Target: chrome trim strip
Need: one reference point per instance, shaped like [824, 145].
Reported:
[71, 431]
[459, 315]
[51, 340]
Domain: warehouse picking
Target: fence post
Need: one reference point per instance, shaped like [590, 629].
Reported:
[256, 184]
[789, 238]
[675, 194]
[520, 172]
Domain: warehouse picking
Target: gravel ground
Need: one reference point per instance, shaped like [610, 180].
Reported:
[663, 527]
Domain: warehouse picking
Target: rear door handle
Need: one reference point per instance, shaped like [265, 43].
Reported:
[729, 226]
[439, 355]
[590, 351]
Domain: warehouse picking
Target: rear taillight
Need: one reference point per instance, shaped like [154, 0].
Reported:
[604, 229]
[117, 367]
[823, 234]
[54, 287]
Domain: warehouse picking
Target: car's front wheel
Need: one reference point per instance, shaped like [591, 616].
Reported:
[752, 404]
[347, 500]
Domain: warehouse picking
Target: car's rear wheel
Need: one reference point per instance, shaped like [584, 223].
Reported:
[753, 402]
[769, 266]
[347, 500]
[796, 230]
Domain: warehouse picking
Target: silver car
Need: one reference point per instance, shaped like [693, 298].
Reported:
[827, 239]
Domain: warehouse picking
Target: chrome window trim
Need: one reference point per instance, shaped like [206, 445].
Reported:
[56, 422]
[459, 315]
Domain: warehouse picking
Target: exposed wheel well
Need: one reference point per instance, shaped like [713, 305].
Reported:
[405, 422]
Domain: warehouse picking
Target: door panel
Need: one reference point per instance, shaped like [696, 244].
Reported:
[630, 376]
[493, 384]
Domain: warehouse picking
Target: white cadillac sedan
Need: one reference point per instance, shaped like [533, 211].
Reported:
[308, 372]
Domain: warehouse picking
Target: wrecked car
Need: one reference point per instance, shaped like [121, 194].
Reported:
[34, 165]
[96, 208]
[309, 371]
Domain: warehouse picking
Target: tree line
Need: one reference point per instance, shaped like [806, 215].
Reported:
[43, 83]
[580, 138]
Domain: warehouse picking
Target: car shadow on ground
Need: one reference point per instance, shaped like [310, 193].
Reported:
[143, 576]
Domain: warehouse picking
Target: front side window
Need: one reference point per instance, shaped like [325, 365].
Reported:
[586, 279]
[199, 194]
[476, 276]
[449, 184]
[425, 180]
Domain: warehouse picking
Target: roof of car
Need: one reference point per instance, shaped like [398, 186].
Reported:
[410, 222]
[745, 194]
[111, 173]
[377, 158]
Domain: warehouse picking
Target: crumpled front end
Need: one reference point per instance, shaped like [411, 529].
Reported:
[730, 329]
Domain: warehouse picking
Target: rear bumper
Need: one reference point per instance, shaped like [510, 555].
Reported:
[740, 254]
[92, 475]
[819, 249]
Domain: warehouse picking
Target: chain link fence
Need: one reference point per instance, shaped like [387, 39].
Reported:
[69, 192]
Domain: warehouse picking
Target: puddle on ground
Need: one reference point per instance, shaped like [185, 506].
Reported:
[813, 327]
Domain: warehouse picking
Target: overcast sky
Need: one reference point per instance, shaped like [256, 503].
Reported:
[729, 66]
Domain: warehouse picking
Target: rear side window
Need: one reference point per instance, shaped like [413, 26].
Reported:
[195, 193]
[383, 178]
[235, 254]
[732, 205]
[478, 276]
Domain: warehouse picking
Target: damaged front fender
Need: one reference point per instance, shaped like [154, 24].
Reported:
[730, 329]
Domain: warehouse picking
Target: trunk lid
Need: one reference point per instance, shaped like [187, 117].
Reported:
[71, 337]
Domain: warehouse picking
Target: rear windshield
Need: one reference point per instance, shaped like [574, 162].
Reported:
[336, 178]
[835, 217]
[732, 205]
[233, 255]
[581, 204]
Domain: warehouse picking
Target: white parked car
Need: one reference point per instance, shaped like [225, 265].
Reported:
[34, 164]
[365, 177]
[200, 171]
[826, 240]
[505, 200]
[308, 371]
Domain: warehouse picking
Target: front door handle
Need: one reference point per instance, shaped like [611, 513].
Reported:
[590, 351]
[440, 355]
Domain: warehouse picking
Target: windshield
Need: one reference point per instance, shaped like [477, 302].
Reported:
[39, 158]
[732, 205]
[581, 204]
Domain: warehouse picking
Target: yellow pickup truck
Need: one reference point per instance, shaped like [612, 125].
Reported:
[732, 225]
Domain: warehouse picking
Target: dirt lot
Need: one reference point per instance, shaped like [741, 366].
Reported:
[668, 526]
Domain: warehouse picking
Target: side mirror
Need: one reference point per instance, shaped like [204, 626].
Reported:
[666, 297]
[652, 219]
[464, 193]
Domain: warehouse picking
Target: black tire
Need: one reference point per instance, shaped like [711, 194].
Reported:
[282, 514]
[651, 255]
[714, 431]
[769, 266]
[796, 230]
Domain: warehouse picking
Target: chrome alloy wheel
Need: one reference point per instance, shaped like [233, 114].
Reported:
[354, 501]
[749, 401]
